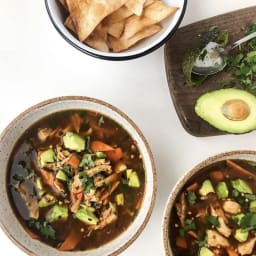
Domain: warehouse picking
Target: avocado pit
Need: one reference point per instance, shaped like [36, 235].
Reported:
[235, 110]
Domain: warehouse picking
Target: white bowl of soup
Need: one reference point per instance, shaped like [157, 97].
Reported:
[79, 179]
[212, 209]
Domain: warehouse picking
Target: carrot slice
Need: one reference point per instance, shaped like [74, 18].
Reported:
[240, 169]
[139, 203]
[217, 176]
[231, 251]
[97, 145]
[115, 155]
[71, 240]
[181, 242]
[47, 177]
[74, 161]
[192, 187]
[193, 234]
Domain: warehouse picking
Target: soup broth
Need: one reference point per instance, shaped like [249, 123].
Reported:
[76, 180]
[215, 212]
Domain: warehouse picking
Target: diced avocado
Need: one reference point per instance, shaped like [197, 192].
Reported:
[128, 173]
[237, 218]
[231, 110]
[133, 180]
[120, 199]
[241, 186]
[87, 216]
[100, 155]
[241, 235]
[58, 212]
[61, 175]
[39, 186]
[39, 183]
[222, 189]
[252, 206]
[206, 188]
[204, 251]
[46, 200]
[47, 156]
[73, 141]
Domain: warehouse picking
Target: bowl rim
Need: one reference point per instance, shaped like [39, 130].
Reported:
[243, 154]
[117, 58]
[142, 225]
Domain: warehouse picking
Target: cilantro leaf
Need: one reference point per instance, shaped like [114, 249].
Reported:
[43, 227]
[87, 161]
[189, 225]
[213, 220]
[191, 197]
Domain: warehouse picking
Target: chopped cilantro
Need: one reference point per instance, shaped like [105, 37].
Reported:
[213, 220]
[43, 227]
[87, 161]
[191, 197]
[189, 225]
[248, 221]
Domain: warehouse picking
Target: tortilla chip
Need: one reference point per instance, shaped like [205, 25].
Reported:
[152, 14]
[98, 39]
[87, 14]
[159, 11]
[64, 4]
[136, 6]
[118, 15]
[116, 29]
[148, 2]
[69, 24]
[118, 45]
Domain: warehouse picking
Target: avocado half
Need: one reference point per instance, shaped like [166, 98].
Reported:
[230, 110]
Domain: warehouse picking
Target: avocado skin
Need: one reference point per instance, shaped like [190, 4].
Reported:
[208, 107]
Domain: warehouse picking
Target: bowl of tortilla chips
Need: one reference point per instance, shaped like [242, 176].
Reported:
[116, 29]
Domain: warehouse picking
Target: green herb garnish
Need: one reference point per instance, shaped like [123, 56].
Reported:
[43, 227]
[87, 161]
[189, 225]
[213, 220]
[191, 197]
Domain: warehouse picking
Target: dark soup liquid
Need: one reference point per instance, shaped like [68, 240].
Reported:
[76, 180]
[215, 213]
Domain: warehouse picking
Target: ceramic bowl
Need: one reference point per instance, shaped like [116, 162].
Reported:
[8, 220]
[170, 25]
[242, 155]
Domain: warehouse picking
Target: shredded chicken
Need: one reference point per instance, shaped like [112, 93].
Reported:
[44, 133]
[215, 239]
[181, 208]
[62, 154]
[77, 186]
[231, 207]
[100, 168]
[247, 247]
[223, 228]
[98, 162]
[91, 197]
[108, 216]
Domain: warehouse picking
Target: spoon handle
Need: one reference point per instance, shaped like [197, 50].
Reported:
[244, 39]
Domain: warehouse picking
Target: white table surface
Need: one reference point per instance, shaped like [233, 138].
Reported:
[37, 64]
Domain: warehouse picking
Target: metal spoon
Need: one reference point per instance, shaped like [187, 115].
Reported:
[211, 59]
